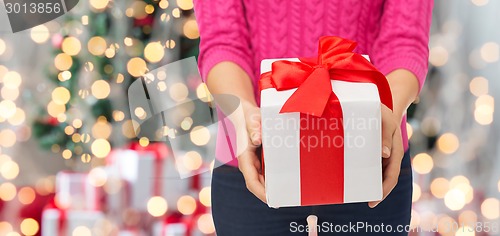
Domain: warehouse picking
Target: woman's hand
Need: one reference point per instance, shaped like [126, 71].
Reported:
[392, 152]
[404, 86]
[227, 78]
[248, 161]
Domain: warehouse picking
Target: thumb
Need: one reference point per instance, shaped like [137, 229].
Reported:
[388, 128]
[254, 126]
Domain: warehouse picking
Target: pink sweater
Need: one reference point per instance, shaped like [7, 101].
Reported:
[394, 33]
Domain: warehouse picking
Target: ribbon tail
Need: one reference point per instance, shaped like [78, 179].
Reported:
[312, 96]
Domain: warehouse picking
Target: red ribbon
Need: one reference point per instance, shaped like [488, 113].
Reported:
[336, 61]
[161, 151]
[322, 168]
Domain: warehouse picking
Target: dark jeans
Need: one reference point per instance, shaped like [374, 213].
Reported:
[238, 212]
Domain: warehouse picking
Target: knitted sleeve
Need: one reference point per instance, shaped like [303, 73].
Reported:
[403, 39]
[224, 34]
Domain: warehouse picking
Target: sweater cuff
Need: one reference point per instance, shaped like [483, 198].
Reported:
[220, 54]
[418, 68]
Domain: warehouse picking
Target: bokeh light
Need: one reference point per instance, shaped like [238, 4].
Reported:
[9, 170]
[99, 4]
[423, 163]
[490, 208]
[61, 95]
[458, 180]
[55, 109]
[178, 92]
[192, 160]
[101, 130]
[137, 67]
[190, 29]
[200, 135]
[128, 128]
[490, 52]
[3, 47]
[18, 118]
[7, 108]
[163, 4]
[85, 158]
[454, 199]
[444, 225]
[97, 45]
[448, 143]
[144, 141]
[484, 108]
[67, 154]
[186, 205]
[467, 217]
[29, 226]
[71, 46]
[118, 115]
[154, 52]
[417, 192]
[12, 80]
[100, 148]
[415, 219]
[205, 196]
[480, 2]
[206, 224]
[81, 231]
[5, 227]
[157, 206]
[161, 86]
[478, 86]
[409, 130]
[26, 195]
[438, 56]
[7, 191]
[428, 220]
[203, 94]
[7, 138]
[430, 126]
[39, 34]
[97, 177]
[185, 4]
[137, 10]
[439, 187]
[186, 123]
[100, 89]
[63, 61]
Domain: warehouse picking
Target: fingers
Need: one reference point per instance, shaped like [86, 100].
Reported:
[392, 168]
[388, 128]
[312, 222]
[249, 165]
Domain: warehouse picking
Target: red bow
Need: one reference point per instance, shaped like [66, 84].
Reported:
[336, 61]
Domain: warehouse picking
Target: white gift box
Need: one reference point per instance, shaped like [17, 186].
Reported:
[75, 191]
[282, 138]
[137, 172]
[73, 219]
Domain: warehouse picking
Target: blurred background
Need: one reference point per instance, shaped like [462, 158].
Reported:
[65, 118]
